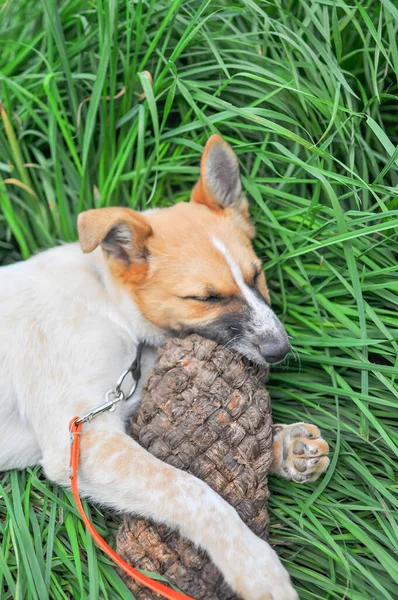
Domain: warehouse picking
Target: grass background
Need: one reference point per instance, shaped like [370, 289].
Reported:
[306, 93]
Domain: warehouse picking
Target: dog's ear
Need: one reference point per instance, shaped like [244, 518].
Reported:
[121, 232]
[219, 186]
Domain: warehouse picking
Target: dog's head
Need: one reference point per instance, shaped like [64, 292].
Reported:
[191, 267]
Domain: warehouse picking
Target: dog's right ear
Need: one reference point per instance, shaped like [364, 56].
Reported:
[121, 232]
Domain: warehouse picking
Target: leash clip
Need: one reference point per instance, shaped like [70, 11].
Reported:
[112, 397]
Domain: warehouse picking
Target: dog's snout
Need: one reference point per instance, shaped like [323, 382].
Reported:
[275, 351]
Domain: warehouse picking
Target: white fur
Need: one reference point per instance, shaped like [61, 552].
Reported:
[66, 334]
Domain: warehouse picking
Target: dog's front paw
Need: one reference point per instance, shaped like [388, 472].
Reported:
[300, 453]
[256, 573]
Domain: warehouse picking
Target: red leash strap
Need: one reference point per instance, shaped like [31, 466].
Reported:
[152, 584]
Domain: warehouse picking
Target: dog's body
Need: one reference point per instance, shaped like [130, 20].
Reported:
[71, 322]
[57, 320]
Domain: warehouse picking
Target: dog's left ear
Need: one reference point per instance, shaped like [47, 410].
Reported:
[219, 186]
[121, 232]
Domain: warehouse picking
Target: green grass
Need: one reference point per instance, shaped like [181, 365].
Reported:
[306, 93]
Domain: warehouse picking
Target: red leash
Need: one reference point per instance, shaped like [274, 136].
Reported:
[152, 584]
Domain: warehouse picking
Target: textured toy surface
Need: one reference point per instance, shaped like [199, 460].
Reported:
[204, 410]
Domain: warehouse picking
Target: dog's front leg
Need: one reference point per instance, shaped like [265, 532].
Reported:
[117, 472]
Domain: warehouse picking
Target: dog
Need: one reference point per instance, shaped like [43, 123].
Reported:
[71, 319]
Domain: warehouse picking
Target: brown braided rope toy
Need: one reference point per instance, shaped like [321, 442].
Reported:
[204, 410]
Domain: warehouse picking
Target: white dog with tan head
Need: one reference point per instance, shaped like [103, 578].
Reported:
[71, 319]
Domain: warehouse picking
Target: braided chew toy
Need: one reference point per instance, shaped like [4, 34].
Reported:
[204, 410]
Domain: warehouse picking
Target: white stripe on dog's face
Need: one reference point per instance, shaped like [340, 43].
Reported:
[263, 316]
[264, 333]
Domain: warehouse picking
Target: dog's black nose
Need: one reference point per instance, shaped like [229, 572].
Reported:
[274, 352]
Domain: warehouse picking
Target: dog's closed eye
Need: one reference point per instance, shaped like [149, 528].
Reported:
[213, 298]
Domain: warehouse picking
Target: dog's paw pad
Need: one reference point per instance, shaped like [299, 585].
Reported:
[303, 452]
